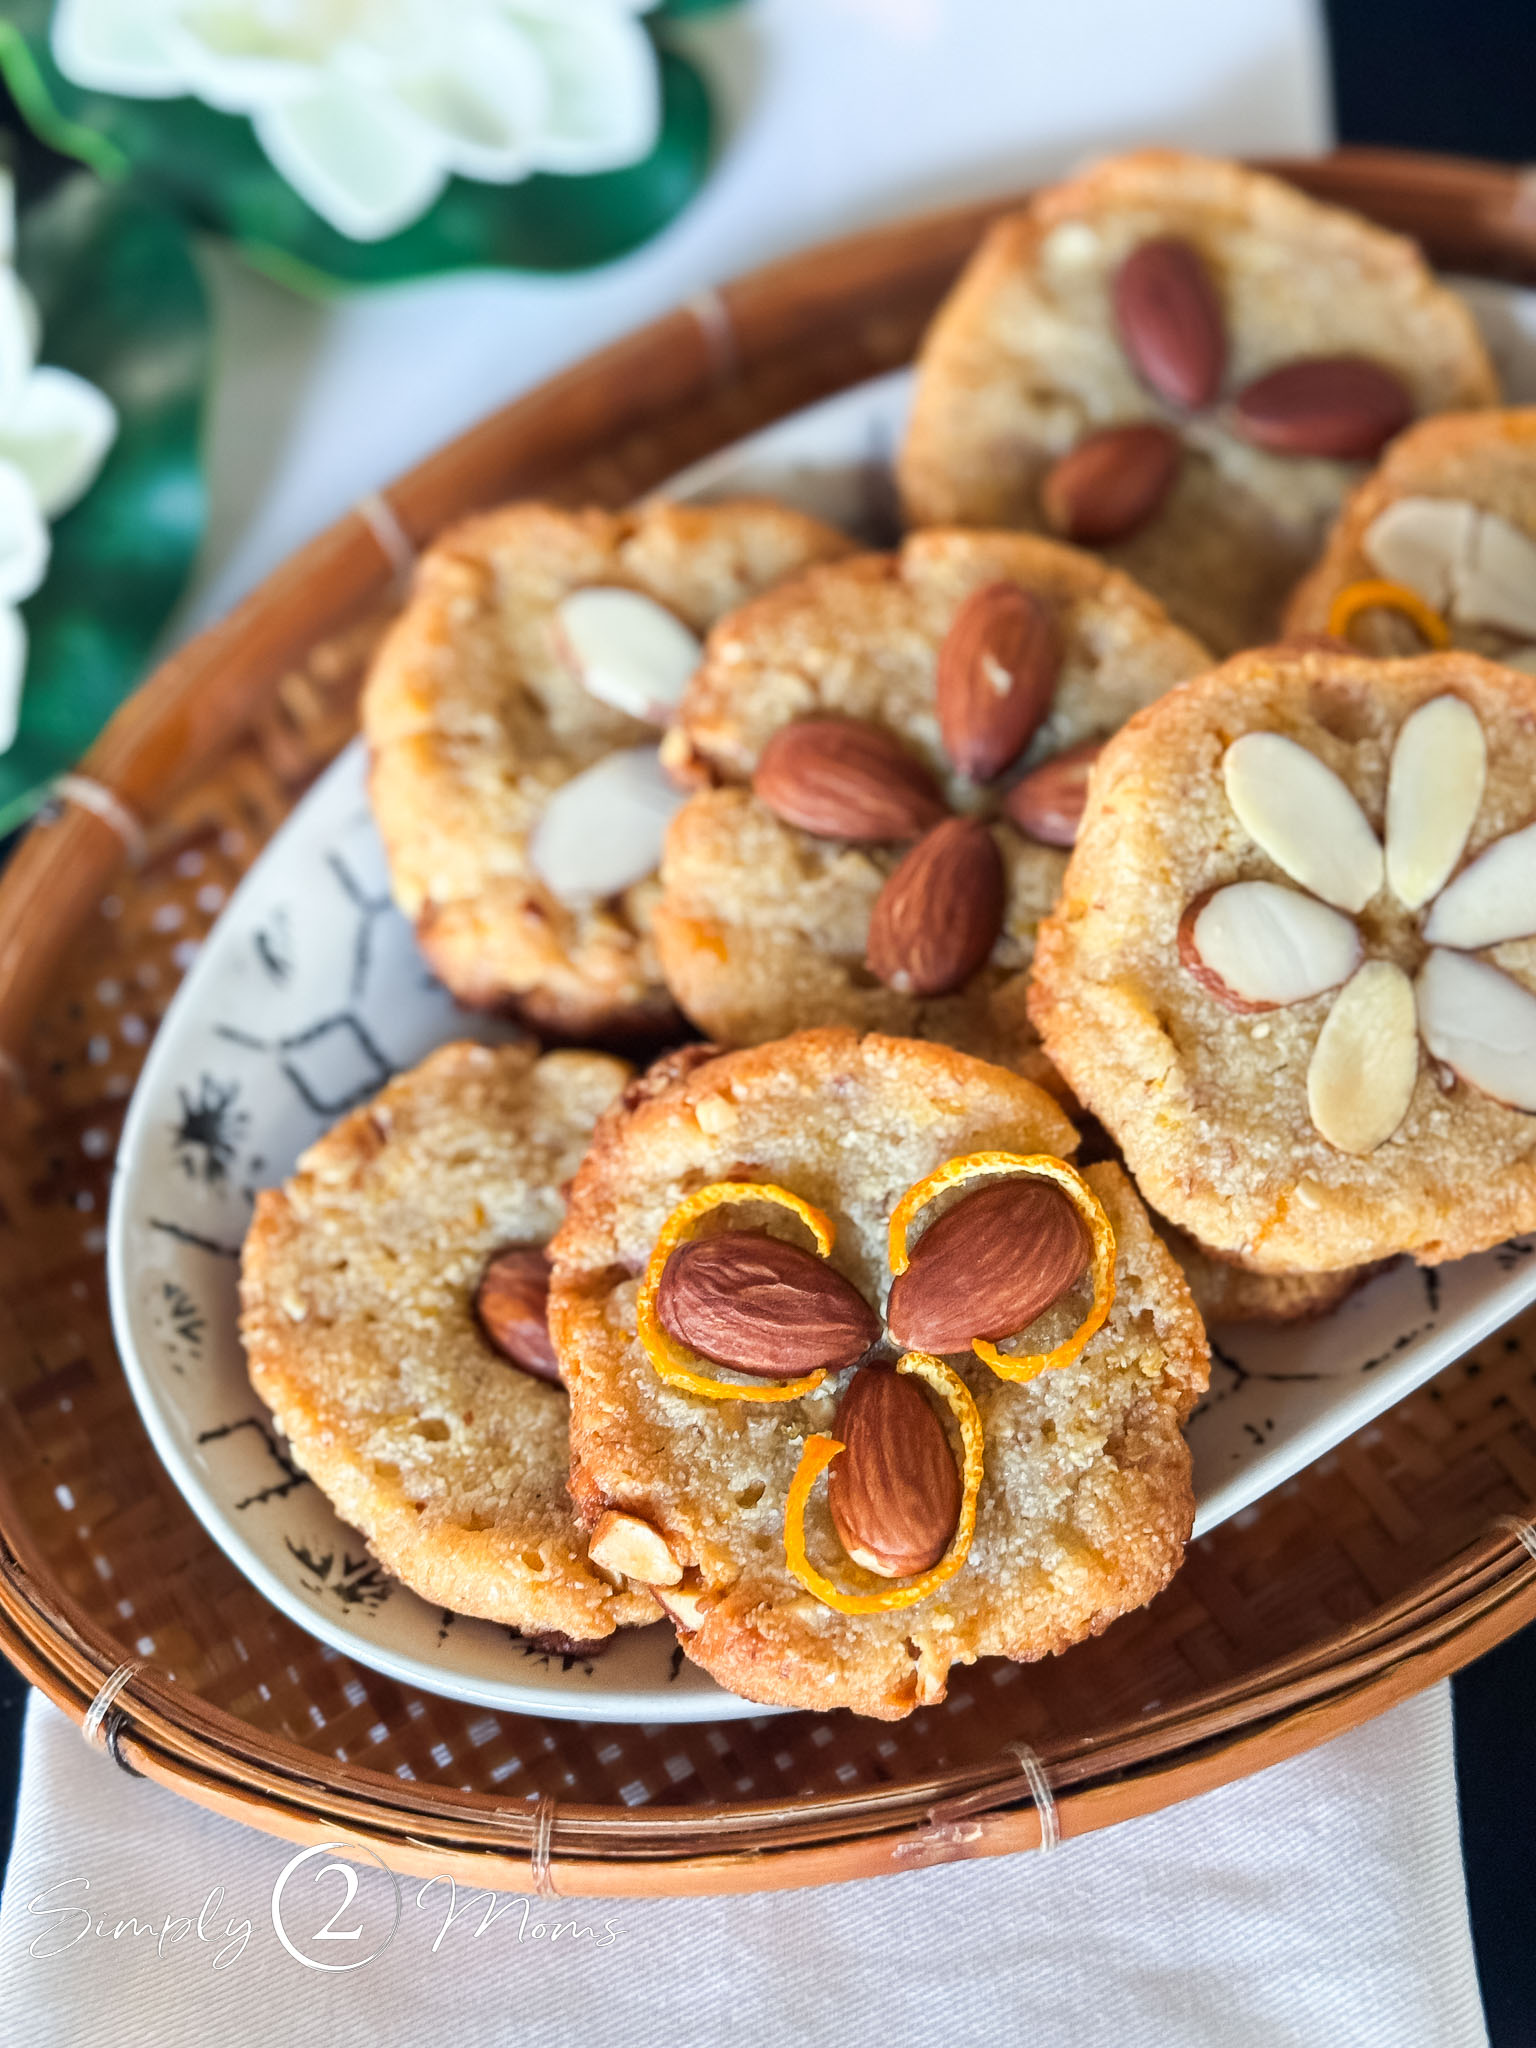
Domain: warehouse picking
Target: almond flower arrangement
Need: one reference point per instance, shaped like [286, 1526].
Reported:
[1258, 945]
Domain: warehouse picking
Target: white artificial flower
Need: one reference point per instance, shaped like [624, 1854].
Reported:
[367, 107]
[55, 430]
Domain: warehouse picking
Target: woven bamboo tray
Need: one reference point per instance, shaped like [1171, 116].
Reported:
[1388, 1564]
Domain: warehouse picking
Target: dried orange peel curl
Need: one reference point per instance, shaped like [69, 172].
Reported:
[676, 1363]
[1375, 593]
[818, 1454]
[992, 1166]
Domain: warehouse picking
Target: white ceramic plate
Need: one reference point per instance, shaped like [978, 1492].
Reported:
[310, 992]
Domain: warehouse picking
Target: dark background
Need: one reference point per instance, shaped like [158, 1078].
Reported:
[1425, 74]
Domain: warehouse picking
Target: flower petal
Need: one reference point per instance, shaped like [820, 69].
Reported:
[13, 667]
[120, 46]
[1366, 1061]
[356, 160]
[18, 336]
[57, 432]
[23, 537]
[1492, 900]
[1482, 1023]
[481, 99]
[1434, 787]
[603, 84]
[1298, 811]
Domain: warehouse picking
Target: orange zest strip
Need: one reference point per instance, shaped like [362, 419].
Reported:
[1376, 592]
[818, 1454]
[676, 1363]
[1041, 1166]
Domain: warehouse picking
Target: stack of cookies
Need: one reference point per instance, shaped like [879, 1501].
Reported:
[961, 972]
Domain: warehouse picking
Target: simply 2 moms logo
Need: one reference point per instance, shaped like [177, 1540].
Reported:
[334, 1907]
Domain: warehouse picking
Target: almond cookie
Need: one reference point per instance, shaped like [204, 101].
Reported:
[512, 715]
[1438, 546]
[1292, 967]
[865, 1379]
[393, 1317]
[901, 744]
[1185, 363]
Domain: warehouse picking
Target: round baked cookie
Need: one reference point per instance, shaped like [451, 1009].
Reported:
[1084, 1501]
[1222, 497]
[765, 926]
[1226, 1292]
[1449, 515]
[478, 714]
[358, 1287]
[1292, 967]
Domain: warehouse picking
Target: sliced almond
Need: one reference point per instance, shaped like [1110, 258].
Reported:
[603, 830]
[629, 651]
[1366, 1060]
[1297, 811]
[1482, 1023]
[1433, 791]
[1491, 901]
[1496, 585]
[1259, 946]
[633, 1549]
[1419, 542]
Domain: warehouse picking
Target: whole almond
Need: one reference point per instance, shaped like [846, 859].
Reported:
[1345, 407]
[1170, 321]
[1047, 804]
[764, 1307]
[988, 1266]
[512, 1305]
[996, 677]
[1111, 483]
[894, 1490]
[940, 912]
[843, 778]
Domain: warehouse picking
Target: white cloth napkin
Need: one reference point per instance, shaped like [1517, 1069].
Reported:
[1318, 1905]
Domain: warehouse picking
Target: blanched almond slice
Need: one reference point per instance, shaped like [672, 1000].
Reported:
[1297, 811]
[1258, 946]
[1496, 584]
[629, 651]
[1433, 791]
[633, 1549]
[1366, 1060]
[1482, 1023]
[603, 830]
[1492, 900]
[1419, 542]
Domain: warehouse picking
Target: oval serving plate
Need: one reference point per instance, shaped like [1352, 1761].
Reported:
[309, 993]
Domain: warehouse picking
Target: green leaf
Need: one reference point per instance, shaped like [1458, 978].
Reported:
[122, 304]
[212, 167]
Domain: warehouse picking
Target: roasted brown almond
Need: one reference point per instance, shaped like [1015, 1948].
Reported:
[1344, 407]
[1047, 804]
[996, 677]
[1170, 321]
[512, 1306]
[843, 778]
[939, 914]
[894, 1489]
[988, 1266]
[1111, 483]
[764, 1307]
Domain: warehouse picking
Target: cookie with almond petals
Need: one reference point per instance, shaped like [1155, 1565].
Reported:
[512, 717]
[1293, 968]
[1448, 517]
[1187, 364]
